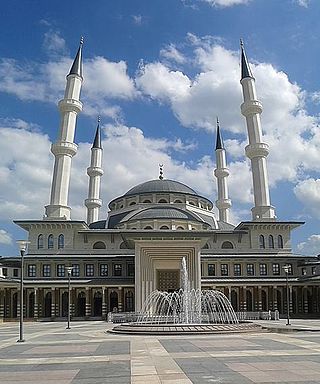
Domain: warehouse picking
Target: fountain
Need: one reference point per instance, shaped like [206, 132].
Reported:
[185, 311]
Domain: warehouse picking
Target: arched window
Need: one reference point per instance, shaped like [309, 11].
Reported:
[133, 203]
[180, 228]
[227, 245]
[50, 241]
[191, 203]
[164, 227]
[123, 245]
[99, 245]
[280, 241]
[206, 246]
[61, 241]
[262, 243]
[178, 202]
[40, 241]
[148, 227]
[162, 201]
[147, 201]
[271, 241]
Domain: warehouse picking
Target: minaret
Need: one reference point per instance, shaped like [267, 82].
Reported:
[64, 149]
[221, 173]
[93, 202]
[256, 151]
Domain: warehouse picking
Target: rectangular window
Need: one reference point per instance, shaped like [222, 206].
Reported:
[46, 270]
[117, 269]
[60, 270]
[15, 272]
[89, 270]
[5, 271]
[211, 270]
[224, 270]
[250, 270]
[263, 269]
[237, 269]
[31, 270]
[313, 270]
[75, 270]
[290, 271]
[276, 269]
[103, 269]
[130, 270]
[304, 271]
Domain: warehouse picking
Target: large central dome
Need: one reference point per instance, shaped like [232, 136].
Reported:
[153, 186]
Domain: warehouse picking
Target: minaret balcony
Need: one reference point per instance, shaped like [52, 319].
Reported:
[94, 171]
[257, 150]
[70, 105]
[223, 203]
[64, 148]
[251, 107]
[93, 203]
[221, 172]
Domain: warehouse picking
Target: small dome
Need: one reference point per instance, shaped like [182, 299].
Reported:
[154, 186]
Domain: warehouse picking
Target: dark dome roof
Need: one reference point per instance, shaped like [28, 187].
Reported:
[158, 185]
[163, 213]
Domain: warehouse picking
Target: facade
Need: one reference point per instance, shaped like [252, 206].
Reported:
[116, 262]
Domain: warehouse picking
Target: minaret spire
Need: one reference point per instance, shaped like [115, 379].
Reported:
[257, 151]
[65, 148]
[95, 171]
[221, 173]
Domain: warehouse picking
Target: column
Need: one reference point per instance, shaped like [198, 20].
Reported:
[104, 303]
[244, 305]
[290, 299]
[53, 303]
[2, 292]
[305, 299]
[35, 306]
[88, 302]
[120, 299]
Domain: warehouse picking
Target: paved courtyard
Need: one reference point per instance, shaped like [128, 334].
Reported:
[85, 354]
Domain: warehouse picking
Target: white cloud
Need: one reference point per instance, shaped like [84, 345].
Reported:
[54, 44]
[311, 246]
[303, 3]
[5, 237]
[170, 52]
[229, 3]
[308, 192]
[137, 19]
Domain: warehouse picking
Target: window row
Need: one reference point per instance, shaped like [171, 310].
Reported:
[50, 241]
[250, 269]
[89, 270]
[271, 241]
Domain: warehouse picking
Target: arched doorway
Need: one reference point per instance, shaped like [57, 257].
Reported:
[15, 305]
[31, 305]
[129, 303]
[249, 300]
[64, 306]
[234, 300]
[47, 304]
[97, 304]
[113, 301]
[81, 304]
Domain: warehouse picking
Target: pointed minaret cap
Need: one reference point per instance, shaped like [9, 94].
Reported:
[76, 68]
[97, 138]
[245, 68]
[160, 171]
[219, 144]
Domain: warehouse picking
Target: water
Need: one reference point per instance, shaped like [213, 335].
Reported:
[187, 306]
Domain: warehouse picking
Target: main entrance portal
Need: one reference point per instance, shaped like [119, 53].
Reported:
[168, 280]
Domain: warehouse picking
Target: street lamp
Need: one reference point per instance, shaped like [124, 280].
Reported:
[22, 244]
[69, 271]
[287, 269]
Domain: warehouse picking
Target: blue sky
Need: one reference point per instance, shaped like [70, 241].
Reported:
[159, 72]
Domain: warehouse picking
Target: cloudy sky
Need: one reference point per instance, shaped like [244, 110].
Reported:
[159, 72]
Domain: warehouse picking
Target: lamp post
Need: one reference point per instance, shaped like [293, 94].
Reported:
[22, 244]
[69, 271]
[286, 269]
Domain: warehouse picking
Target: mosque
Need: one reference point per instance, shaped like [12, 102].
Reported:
[114, 263]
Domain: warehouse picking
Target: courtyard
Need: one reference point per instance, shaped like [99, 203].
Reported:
[86, 354]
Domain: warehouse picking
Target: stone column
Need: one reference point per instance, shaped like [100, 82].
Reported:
[275, 302]
[104, 303]
[88, 302]
[305, 299]
[244, 304]
[259, 298]
[35, 307]
[120, 299]
[2, 292]
[53, 303]
[290, 299]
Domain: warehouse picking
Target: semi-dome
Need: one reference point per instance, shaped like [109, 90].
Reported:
[154, 186]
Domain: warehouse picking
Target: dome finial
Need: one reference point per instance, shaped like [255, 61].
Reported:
[161, 171]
